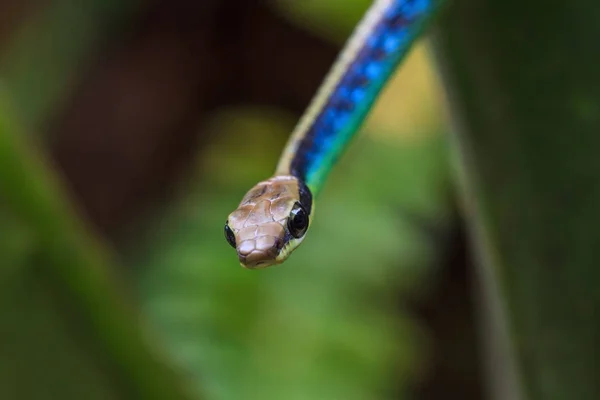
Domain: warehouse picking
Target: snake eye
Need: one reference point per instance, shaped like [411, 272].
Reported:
[298, 221]
[229, 235]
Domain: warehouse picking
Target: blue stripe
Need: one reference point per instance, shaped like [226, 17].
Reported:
[348, 104]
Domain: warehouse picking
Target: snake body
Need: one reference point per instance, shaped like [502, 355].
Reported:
[273, 217]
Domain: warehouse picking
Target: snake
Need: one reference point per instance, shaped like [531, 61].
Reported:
[272, 219]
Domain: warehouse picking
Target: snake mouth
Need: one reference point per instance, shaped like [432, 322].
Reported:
[255, 254]
[257, 264]
[262, 262]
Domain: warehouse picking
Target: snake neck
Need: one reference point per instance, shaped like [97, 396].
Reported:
[371, 55]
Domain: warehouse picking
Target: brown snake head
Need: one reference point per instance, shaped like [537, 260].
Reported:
[270, 222]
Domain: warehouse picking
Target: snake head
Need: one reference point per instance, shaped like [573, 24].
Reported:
[270, 222]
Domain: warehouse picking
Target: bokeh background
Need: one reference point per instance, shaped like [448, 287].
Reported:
[130, 129]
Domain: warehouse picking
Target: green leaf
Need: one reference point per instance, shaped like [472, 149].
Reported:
[325, 324]
[66, 329]
[523, 82]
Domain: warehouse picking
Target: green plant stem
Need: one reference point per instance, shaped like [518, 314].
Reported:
[77, 264]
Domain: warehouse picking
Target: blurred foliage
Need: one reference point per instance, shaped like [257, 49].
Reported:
[328, 323]
[58, 275]
[331, 322]
[526, 93]
[43, 60]
[331, 19]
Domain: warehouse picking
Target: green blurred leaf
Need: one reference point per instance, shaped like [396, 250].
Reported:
[65, 328]
[326, 323]
[332, 19]
[524, 84]
[46, 56]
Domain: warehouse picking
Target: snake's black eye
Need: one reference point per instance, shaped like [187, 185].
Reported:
[298, 221]
[229, 235]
